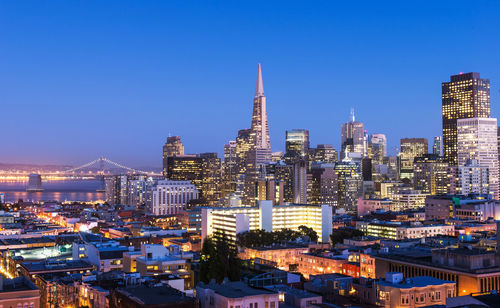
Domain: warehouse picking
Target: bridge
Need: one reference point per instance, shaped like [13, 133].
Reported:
[97, 168]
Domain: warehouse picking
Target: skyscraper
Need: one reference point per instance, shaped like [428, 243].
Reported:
[260, 127]
[477, 141]
[297, 144]
[410, 148]
[378, 143]
[430, 174]
[465, 96]
[172, 147]
[324, 153]
[353, 137]
[437, 146]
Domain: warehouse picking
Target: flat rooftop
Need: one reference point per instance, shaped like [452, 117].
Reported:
[154, 295]
[235, 289]
[415, 282]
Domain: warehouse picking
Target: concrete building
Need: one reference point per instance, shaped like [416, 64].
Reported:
[477, 140]
[419, 291]
[150, 297]
[19, 292]
[470, 178]
[410, 148]
[235, 294]
[233, 220]
[402, 230]
[353, 137]
[170, 197]
[468, 207]
[367, 206]
[430, 174]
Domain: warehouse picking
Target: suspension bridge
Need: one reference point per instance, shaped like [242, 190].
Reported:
[97, 168]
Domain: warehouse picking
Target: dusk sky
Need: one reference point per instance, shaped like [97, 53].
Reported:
[79, 80]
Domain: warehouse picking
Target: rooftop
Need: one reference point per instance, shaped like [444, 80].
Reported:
[415, 282]
[17, 284]
[235, 289]
[153, 295]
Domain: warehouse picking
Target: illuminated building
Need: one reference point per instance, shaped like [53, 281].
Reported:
[229, 168]
[378, 145]
[395, 291]
[402, 230]
[260, 127]
[473, 270]
[437, 147]
[170, 197]
[300, 182]
[309, 264]
[465, 96]
[286, 257]
[353, 137]
[404, 199]
[127, 189]
[324, 153]
[469, 179]
[469, 207]
[297, 145]
[270, 189]
[203, 170]
[349, 185]
[324, 184]
[366, 206]
[233, 220]
[430, 174]
[283, 173]
[235, 294]
[173, 147]
[410, 148]
[477, 140]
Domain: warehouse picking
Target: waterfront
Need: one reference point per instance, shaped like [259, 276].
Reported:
[66, 190]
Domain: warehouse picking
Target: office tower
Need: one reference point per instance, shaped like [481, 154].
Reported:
[430, 174]
[116, 189]
[300, 182]
[350, 185]
[324, 153]
[139, 190]
[465, 96]
[378, 145]
[477, 140]
[437, 146]
[353, 137]
[203, 170]
[229, 168]
[469, 179]
[277, 156]
[366, 169]
[410, 148]
[34, 183]
[297, 145]
[172, 147]
[324, 184]
[270, 189]
[284, 173]
[170, 197]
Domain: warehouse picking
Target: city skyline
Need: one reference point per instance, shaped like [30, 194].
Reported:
[312, 87]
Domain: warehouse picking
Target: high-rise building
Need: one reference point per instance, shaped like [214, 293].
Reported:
[469, 179]
[172, 147]
[410, 148]
[171, 197]
[260, 127]
[203, 170]
[324, 153]
[229, 168]
[353, 137]
[378, 145]
[465, 96]
[253, 147]
[430, 174]
[300, 182]
[324, 184]
[297, 145]
[350, 185]
[477, 140]
[437, 148]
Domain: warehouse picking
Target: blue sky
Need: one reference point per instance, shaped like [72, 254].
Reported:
[81, 79]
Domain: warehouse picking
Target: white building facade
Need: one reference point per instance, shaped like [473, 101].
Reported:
[477, 140]
[169, 197]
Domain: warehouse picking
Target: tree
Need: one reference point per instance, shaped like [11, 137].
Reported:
[338, 235]
[309, 232]
[219, 260]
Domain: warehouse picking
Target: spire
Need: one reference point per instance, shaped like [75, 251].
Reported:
[259, 88]
[352, 114]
